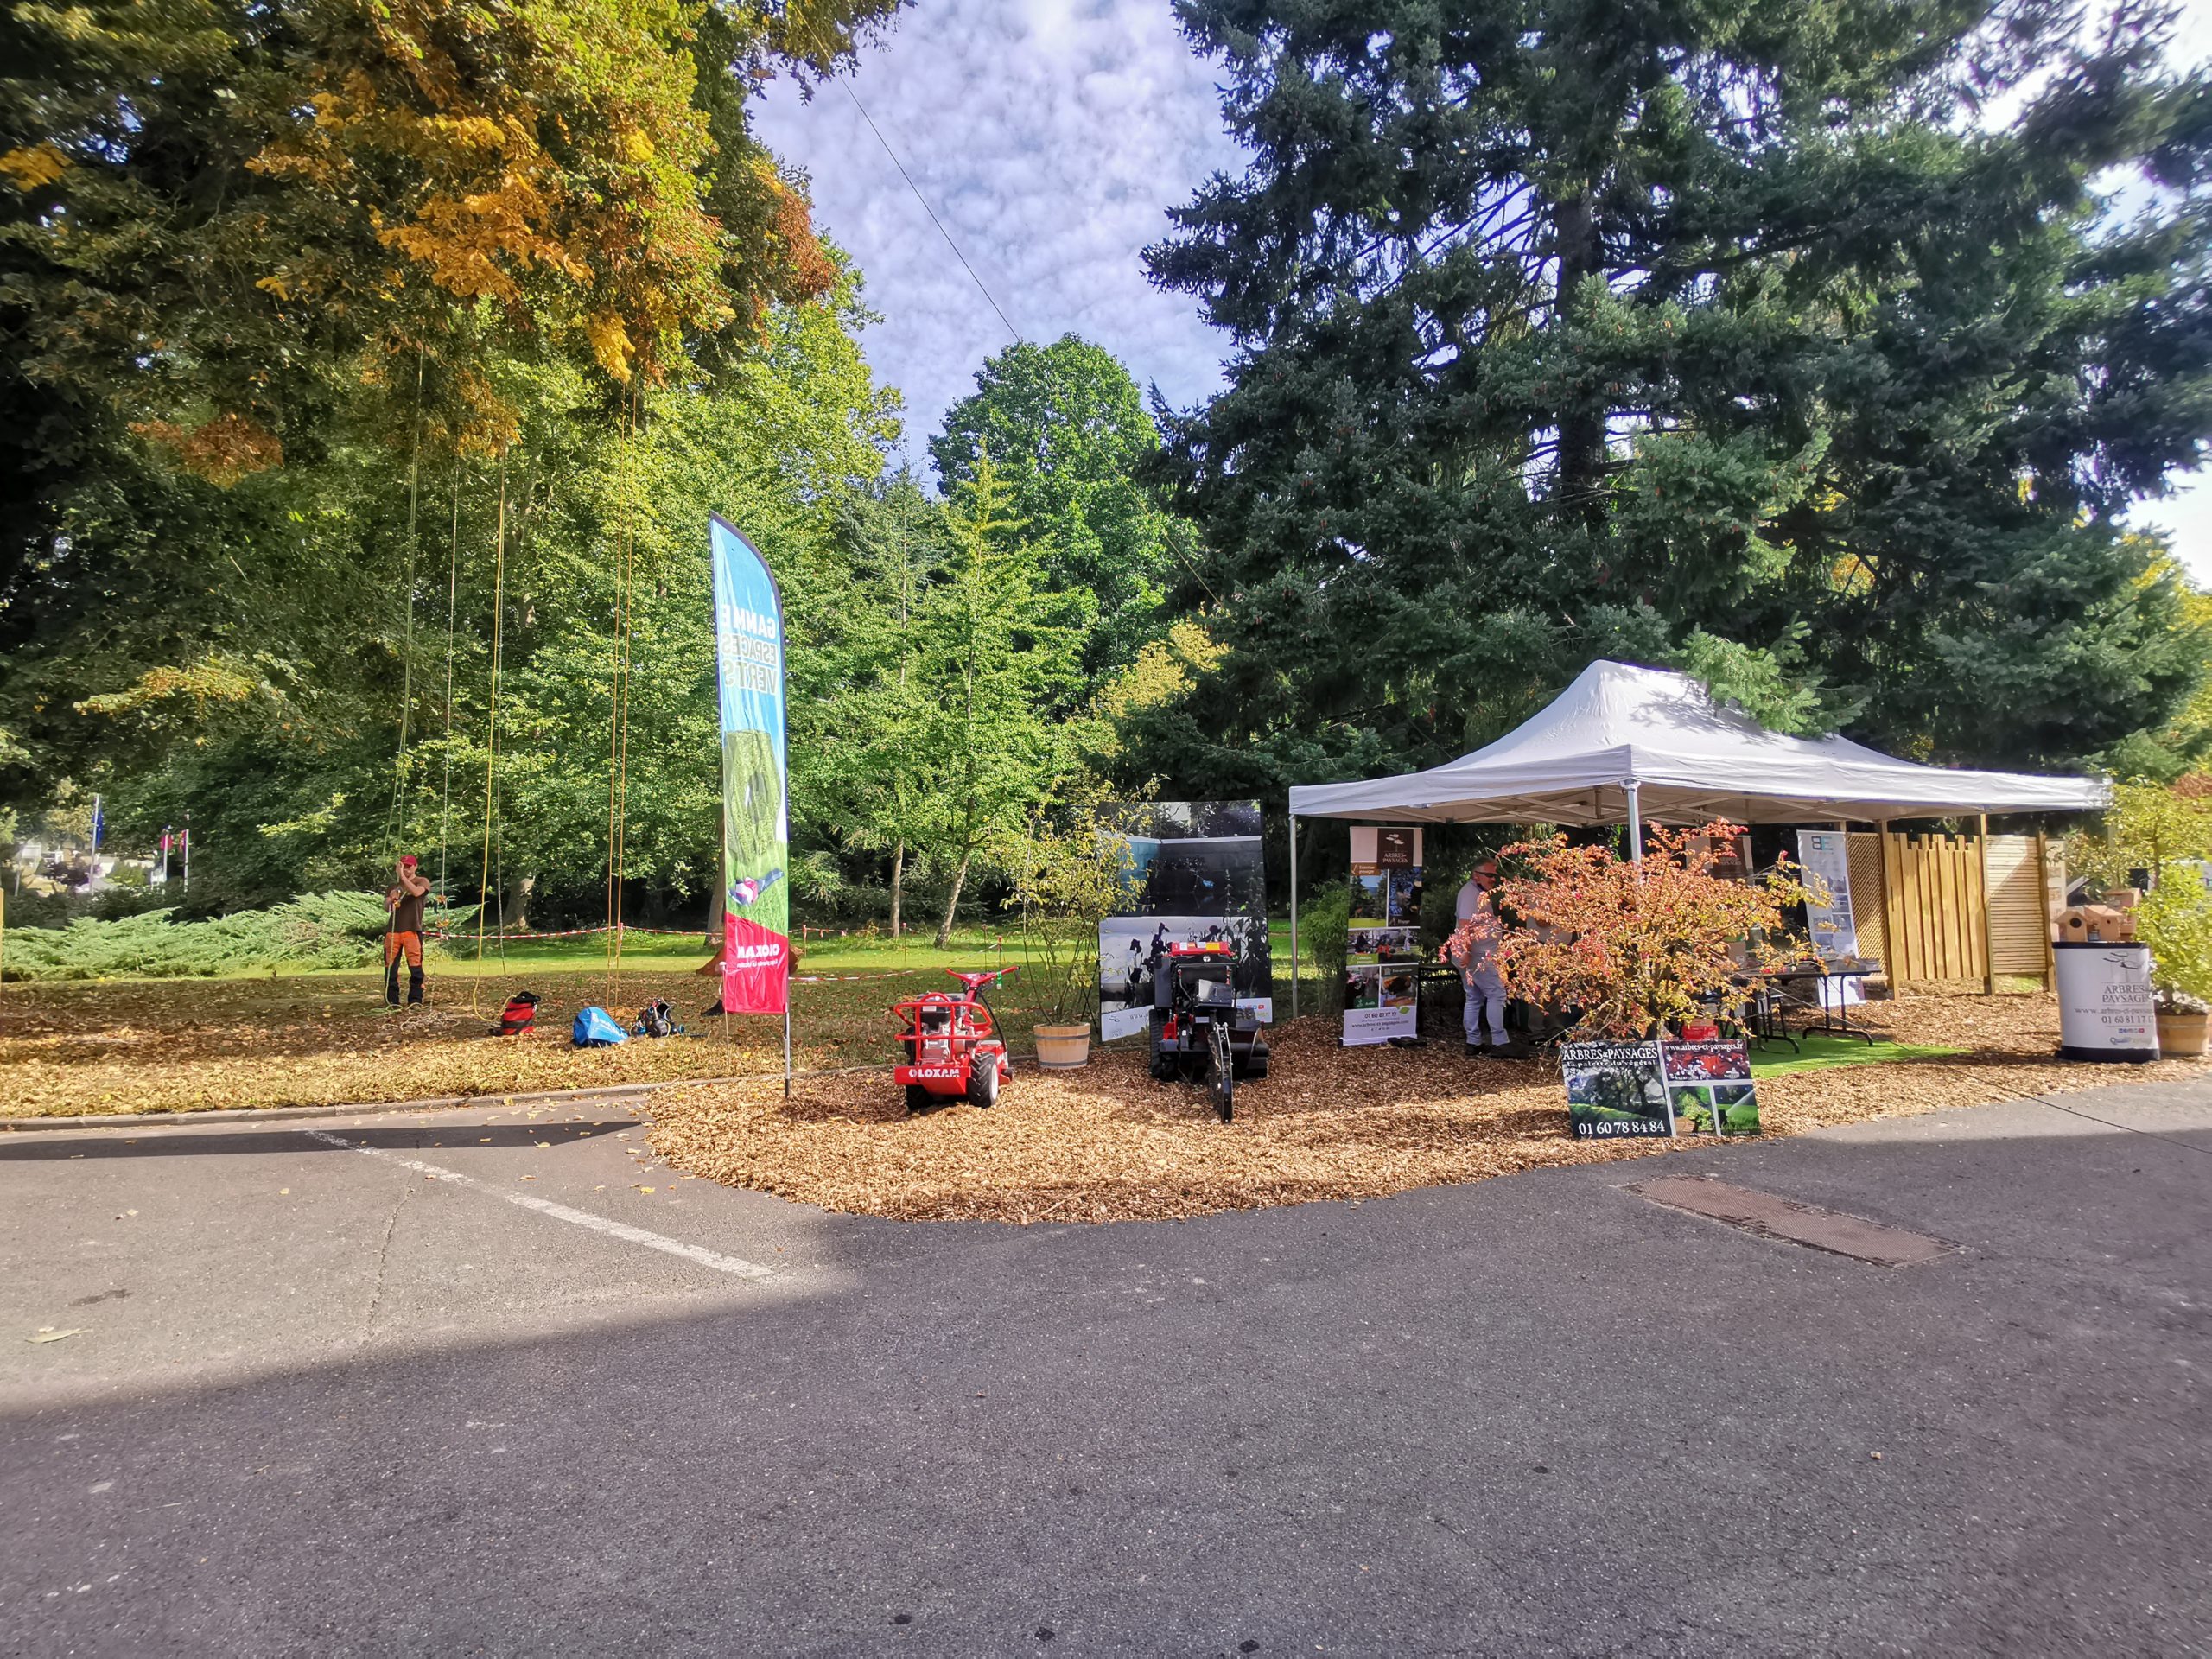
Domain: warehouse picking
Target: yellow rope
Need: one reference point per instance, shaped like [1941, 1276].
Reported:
[396, 818]
[445, 809]
[629, 628]
[491, 743]
[617, 739]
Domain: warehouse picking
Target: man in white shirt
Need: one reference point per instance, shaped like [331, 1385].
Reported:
[1477, 970]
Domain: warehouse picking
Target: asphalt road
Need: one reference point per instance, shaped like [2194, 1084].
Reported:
[329, 1402]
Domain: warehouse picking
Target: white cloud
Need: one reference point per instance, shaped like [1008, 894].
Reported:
[1050, 136]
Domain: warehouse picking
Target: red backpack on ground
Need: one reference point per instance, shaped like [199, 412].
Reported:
[519, 1015]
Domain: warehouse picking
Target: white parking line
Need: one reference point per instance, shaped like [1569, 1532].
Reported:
[706, 1258]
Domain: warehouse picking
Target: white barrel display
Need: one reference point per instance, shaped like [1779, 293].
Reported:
[2104, 1002]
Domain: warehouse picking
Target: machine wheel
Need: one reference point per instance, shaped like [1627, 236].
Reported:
[984, 1080]
[917, 1098]
[1221, 1072]
[1163, 1066]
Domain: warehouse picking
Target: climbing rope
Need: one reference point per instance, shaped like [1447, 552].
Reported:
[618, 757]
[491, 747]
[453, 592]
[396, 817]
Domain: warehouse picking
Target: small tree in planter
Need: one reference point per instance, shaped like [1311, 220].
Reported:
[2148, 826]
[2162, 830]
[2175, 919]
[1638, 948]
[1068, 873]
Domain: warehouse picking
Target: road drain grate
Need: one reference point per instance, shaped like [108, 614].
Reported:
[1799, 1224]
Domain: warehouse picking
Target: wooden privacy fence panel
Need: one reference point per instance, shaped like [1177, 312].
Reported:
[1932, 908]
[1919, 903]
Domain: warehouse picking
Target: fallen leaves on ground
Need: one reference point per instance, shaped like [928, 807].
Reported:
[1102, 1143]
[1107, 1143]
[71, 1047]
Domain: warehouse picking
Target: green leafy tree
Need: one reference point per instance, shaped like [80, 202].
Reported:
[281, 737]
[991, 662]
[268, 272]
[868, 704]
[1067, 430]
[1723, 336]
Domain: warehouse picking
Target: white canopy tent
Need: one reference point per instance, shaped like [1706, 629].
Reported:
[1626, 745]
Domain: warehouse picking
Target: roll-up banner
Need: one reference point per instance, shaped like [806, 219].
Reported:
[1382, 957]
[756, 825]
[1195, 876]
[1824, 853]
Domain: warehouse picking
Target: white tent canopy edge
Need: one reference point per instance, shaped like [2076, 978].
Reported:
[1629, 744]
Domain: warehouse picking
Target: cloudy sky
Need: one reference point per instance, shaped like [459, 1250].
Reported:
[1050, 136]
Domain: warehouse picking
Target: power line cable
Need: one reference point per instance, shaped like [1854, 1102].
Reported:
[931, 211]
[2152, 1134]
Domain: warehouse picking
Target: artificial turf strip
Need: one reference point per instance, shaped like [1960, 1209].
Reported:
[1823, 1051]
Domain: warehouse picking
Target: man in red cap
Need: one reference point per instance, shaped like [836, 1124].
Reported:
[1478, 967]
[403, 933]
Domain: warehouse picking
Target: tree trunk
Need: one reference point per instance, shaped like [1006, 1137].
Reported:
[1581, 430]
[715, 909]
[952, 904]
[514, 910]
[898, 883]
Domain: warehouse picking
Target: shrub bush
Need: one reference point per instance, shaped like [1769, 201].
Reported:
[1325, 929]
[2175, 919]
[320, 930]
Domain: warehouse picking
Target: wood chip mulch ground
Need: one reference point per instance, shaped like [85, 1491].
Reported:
[69, 1048]
[1107, 1143]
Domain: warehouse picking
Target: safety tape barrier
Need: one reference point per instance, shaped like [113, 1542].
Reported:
[825, 979]
[577, 934]
[799, 979]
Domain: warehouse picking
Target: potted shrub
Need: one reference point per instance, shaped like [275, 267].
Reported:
[1069, 870]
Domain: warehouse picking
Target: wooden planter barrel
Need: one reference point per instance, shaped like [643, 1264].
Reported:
[1063, 1048]
[2181, 1036]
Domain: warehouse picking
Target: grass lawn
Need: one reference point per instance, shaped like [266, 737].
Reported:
[852, 953]
[1822, 1051]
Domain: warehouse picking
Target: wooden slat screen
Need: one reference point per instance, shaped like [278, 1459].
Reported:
[1867, 908]
[2019, 929]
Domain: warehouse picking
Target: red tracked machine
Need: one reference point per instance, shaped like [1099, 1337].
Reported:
[952, 1045]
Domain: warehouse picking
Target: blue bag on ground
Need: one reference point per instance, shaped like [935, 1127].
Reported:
[595, 1028]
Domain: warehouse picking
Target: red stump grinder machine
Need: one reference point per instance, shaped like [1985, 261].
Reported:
[952, 1045]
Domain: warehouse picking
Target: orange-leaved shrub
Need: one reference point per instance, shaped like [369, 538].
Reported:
[1637, 948]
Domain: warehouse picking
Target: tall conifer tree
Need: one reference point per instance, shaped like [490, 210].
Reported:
[1740, 334]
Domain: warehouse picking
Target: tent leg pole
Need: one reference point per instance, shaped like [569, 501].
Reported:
[1293, 916]
[1635, 824]
[1988, 936]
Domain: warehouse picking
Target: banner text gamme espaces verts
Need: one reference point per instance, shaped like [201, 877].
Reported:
[756, 826]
